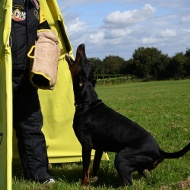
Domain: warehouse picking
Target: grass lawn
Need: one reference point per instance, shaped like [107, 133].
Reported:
[160, 107]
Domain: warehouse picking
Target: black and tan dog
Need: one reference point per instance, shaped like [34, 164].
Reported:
[101, 128]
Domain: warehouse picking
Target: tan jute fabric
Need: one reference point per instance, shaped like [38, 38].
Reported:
[44, 64]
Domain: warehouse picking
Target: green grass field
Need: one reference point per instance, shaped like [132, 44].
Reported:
[160, 107]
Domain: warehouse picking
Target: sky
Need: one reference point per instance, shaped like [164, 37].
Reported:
[119, 27]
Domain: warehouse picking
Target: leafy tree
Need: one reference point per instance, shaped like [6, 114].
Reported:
[176, 68]
[159, 67]
[98, 66]
[113, 64]
[149, 62]
[187, 64]
[129, 67]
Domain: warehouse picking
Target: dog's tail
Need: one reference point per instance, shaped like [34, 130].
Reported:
[178, 154]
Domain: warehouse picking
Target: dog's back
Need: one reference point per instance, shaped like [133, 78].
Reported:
[108, 130]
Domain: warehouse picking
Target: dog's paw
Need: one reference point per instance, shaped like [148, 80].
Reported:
[94, 179]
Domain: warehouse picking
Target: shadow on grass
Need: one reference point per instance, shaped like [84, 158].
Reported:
[71, 173]
[107, 175]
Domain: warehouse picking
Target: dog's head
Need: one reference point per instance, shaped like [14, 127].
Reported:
[82, 75]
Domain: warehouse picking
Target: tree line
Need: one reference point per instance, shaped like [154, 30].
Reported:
[146, 63]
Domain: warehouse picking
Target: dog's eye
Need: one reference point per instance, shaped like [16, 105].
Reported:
[80, 84]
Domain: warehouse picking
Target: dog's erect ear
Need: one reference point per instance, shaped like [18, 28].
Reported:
[81, 55]
[79, 60]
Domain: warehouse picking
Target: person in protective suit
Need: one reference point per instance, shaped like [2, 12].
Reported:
[27, 115]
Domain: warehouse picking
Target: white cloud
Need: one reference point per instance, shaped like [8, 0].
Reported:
[120, 33]
[168, 33]
[97, 38]
[126, 18]
[115, 36]
[185, 18]
[149, 40]
[76, 26]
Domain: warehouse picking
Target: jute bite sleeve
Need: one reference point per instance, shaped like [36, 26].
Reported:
[45, 58]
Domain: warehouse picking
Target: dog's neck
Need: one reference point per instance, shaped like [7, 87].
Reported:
[86, 100]
[86, 104]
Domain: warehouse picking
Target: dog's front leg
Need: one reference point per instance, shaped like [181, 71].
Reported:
[86, 155]
[96, 163]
